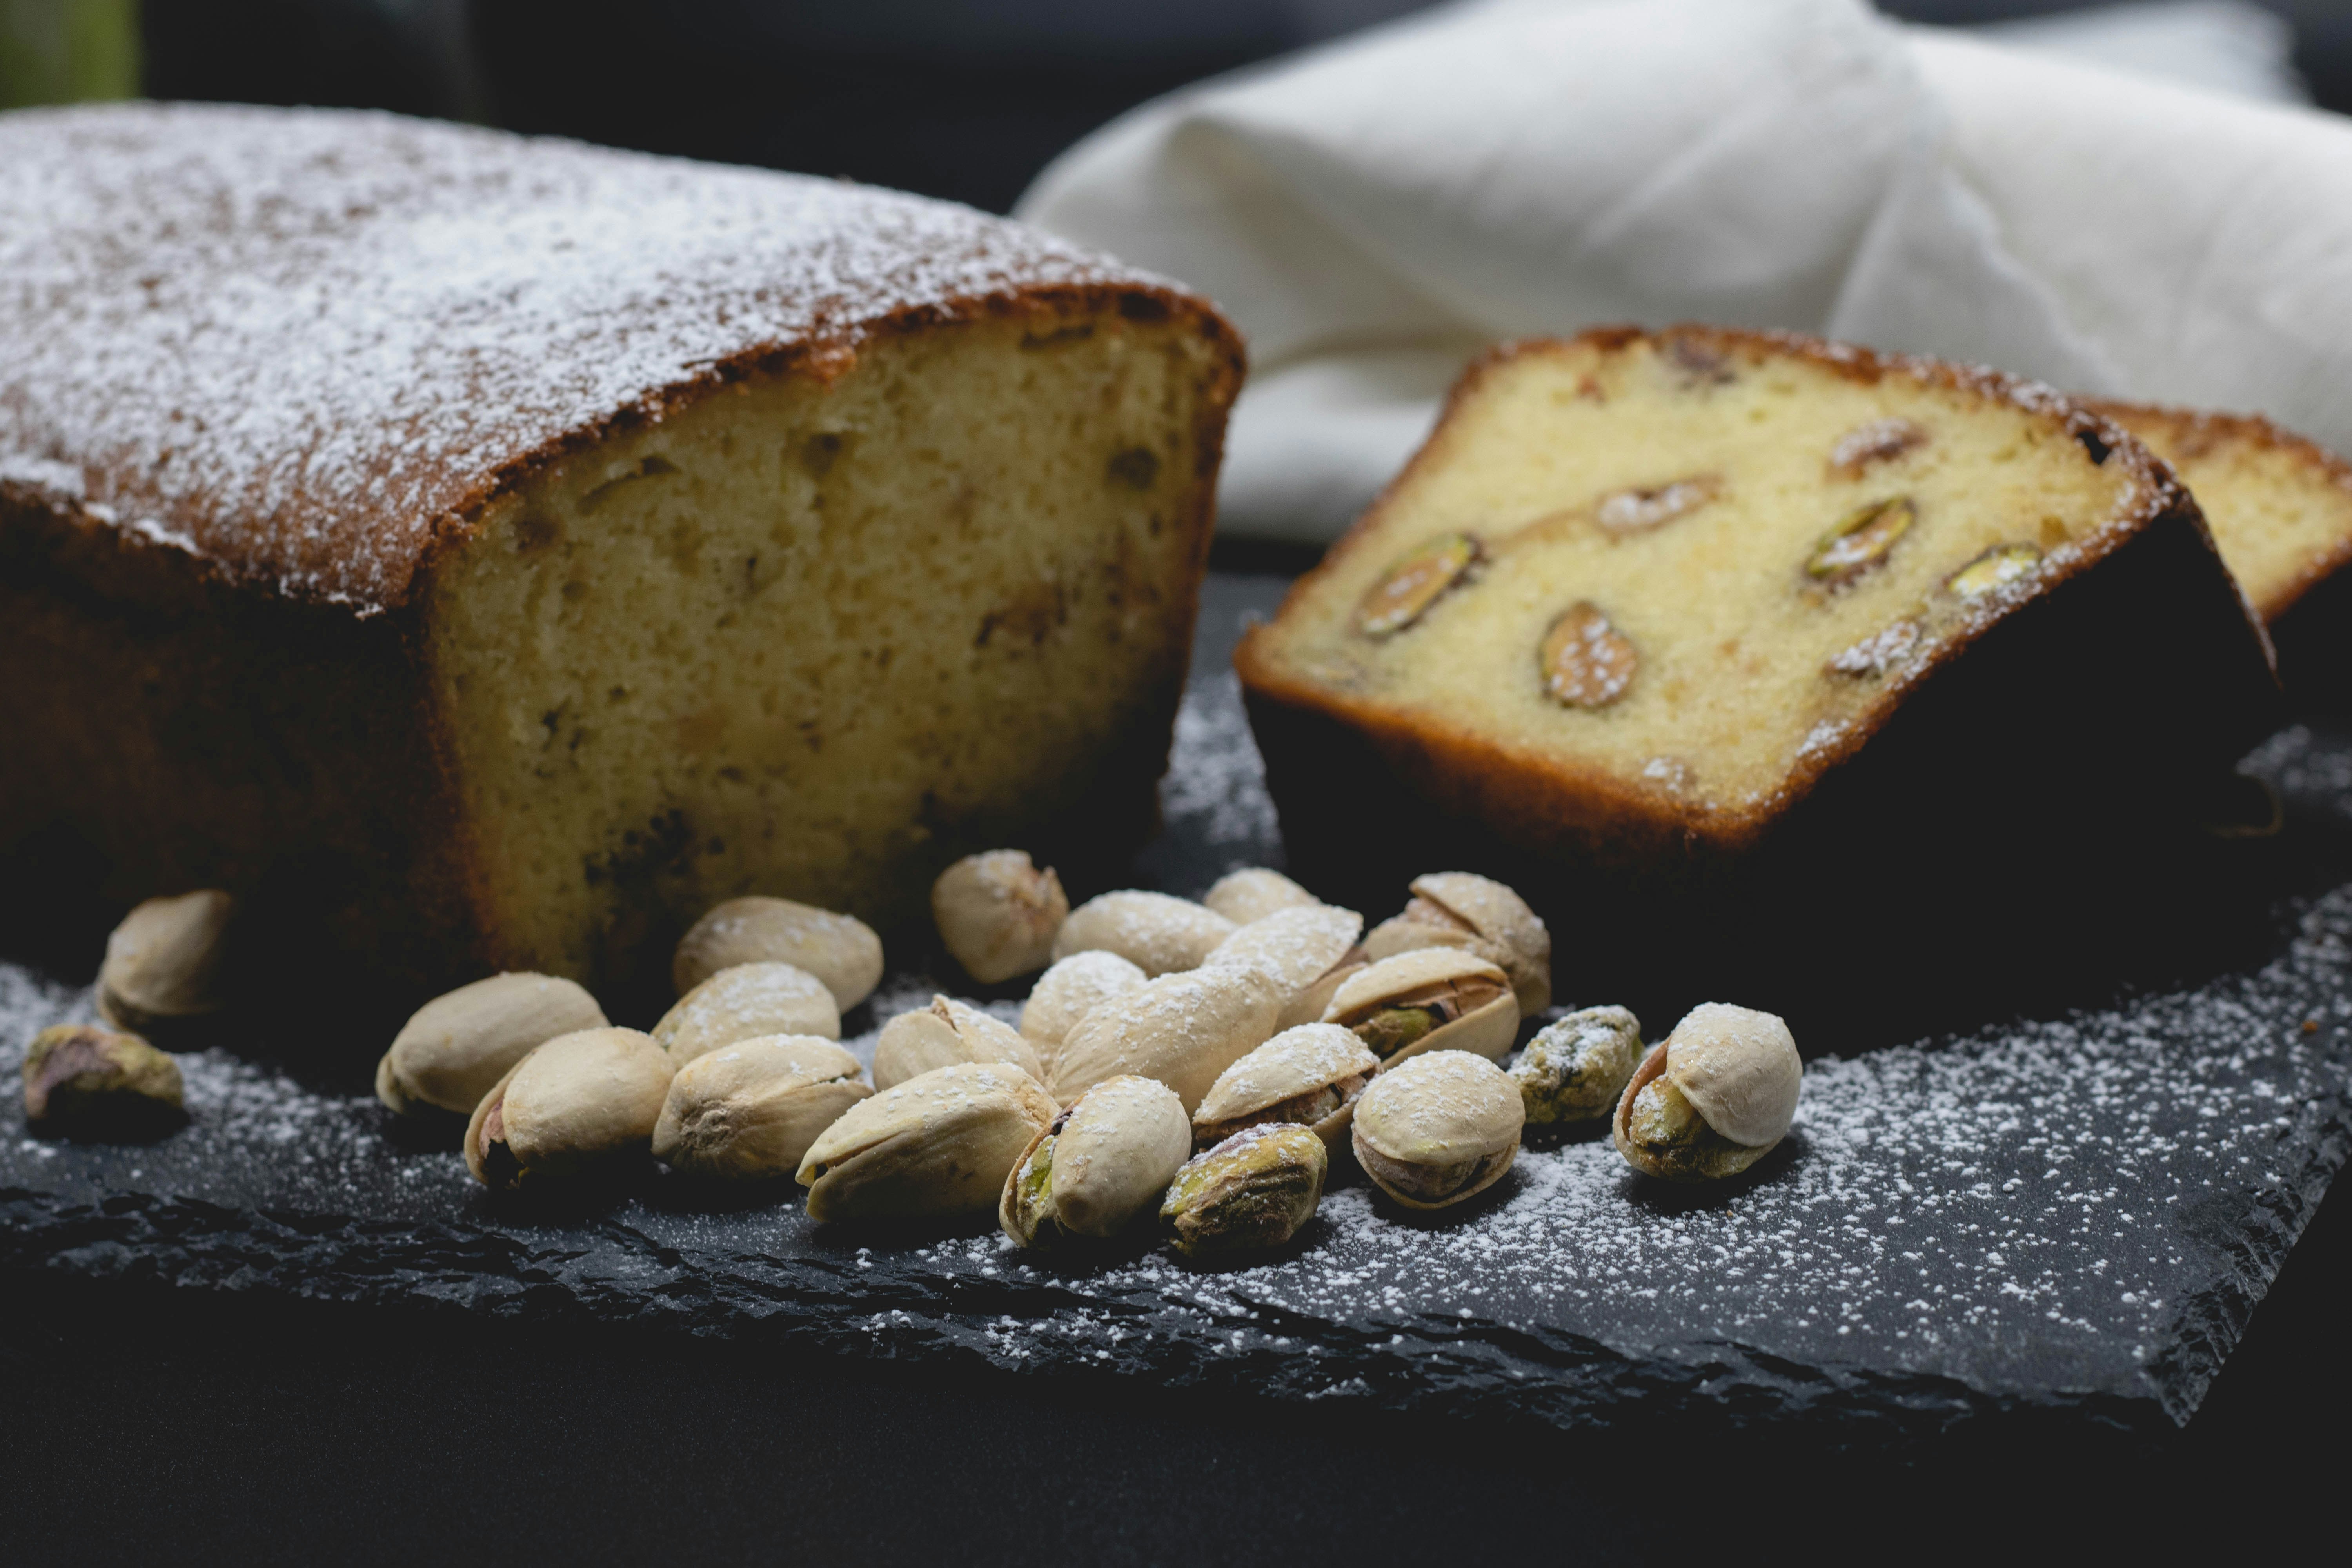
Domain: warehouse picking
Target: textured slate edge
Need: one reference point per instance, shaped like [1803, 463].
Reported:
[1459, 1368]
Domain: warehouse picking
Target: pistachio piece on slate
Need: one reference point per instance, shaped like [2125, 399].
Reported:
[1251, 1192]
[1713, 1097]
[997, 913]
[1430, 999]
[1439, 1129]
[750, 1109]
[454, 1048]
[1462, 909]
[938, 1146]
[87, 1081]
[1157, 933]
[1575, 1066]
[943, 1034]
[576, 1102]
[745, 1001]
[1310, 1075]
[1103, 1162]
[164, 962]
[1182, 1029]
[840, 949]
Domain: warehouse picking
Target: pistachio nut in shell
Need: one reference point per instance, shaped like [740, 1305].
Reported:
[1293, 947]
[575, 1102]
[998, 913]
[1157, 933]
[1310, 1075]
[1438, 1128]
[87, 1081]
[746, 1001]
[938, 1146]
[1250, 1193]
[943, 1034]
[1071, 989]
[454, 1048]
[1255, 892]
[1462, 909]
[1713, 1097]
[840, 949]
[1182, 1029]
[1575, 1066]
[750, 1109]
[1101, 1164]
[1430, 999]
[164, 960]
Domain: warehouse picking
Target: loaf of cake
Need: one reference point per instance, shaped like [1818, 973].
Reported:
[1658, 602]
[491, 551]
[2281, 510]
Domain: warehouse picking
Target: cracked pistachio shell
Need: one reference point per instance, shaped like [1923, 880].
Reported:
[997, 913]
[574, 1102]
[1310, 1075]
[1575, 1066]
[453, 1049]
[1252, 1192]
[1461, 909]
[164, 962]
[1438, 1128]
[1182, 1029]
[87, 1081]
[943, 1034]
[840, 949]
[1157, 933]
[1255, 892]
[1725, 1088]
[750, 1109]
[1407, 980]
[938, 1146]
[1103, 1163]
[744, 1001]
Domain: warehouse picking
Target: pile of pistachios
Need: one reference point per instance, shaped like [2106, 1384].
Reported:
[1204, 1066]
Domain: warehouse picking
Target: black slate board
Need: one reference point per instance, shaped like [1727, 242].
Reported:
[2072, 1216]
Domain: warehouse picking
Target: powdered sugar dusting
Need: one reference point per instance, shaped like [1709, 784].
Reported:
[303, 341]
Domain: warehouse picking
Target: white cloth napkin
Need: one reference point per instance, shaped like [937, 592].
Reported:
[1375, 212]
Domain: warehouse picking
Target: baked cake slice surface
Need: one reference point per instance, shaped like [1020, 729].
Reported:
[1641, 595]
[490, 552]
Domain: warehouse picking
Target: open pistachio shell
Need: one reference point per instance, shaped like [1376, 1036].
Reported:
[1255, 892]
[943, 1034]
[1302, 949]
[938, 1146]
[750, 1109]
[1438, 1128]
[1461, 909]
[1104, 1162]
[87, 1081]
[743, 1002]
[840, 949]
[1310, 1075]
[1429, 999]
[1575, 1066]
[1069, 990]
[1157, 933]
[1182, 1029]
[1713, 1097]
[575, 1102]
[456, 1046]
[1250, 1193]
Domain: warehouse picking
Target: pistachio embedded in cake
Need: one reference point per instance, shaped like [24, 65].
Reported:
[1652, 587]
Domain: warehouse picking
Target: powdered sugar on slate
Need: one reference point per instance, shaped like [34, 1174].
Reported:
[302, 342]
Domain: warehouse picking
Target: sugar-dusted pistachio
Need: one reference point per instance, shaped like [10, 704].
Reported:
[997, 913]
[1438, 1128]
[840, 949]
[1182, 1029]
[1584, 660]
[1575, 1066]
[1430, 999]
[749, 1111]
[163, 962]
[1860, 542]
[1103, 1162]
[1071, 989]
[943, 1034]
[934, 1147]
[575, 1103]
[1462, 909]
[1310, 1075]
[454, 1048]
[1157, 933]
[87, 1081]
[1713, 1097]
[1639, 510]
[1876, 441]
[1996, 568]
[746, 1001]
[1251, 1192]
[1411, 586]
[1308, 950]
[1255, 892]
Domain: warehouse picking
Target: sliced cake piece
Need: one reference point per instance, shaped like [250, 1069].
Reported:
[2281, 510]
[1654, 600]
